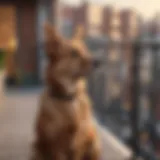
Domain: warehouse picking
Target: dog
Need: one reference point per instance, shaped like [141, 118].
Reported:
[65, 126]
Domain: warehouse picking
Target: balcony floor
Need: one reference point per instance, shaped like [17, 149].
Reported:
[16, 124]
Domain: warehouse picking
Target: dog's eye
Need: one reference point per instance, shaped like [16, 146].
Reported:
[74, 53]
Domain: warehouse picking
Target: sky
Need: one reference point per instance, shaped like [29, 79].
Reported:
[147, 8]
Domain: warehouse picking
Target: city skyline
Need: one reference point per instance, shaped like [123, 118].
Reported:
[146, 8]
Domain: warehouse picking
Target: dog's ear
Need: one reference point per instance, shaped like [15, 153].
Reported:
[52, 39]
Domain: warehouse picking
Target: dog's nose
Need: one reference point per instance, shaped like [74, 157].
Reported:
[91, 63]
[96, 63]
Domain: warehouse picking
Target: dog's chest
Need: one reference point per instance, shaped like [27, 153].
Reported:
[70, 121]
[70, 114]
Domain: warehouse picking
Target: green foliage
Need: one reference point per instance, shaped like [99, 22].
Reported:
[2, 58]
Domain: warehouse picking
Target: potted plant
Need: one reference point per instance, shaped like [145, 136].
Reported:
[2, 74]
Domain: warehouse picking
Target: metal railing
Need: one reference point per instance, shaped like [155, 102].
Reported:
[141, 74]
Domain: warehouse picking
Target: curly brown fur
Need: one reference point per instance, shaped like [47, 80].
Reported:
[65, 129]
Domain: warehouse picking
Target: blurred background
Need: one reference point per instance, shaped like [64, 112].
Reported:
[124, 38]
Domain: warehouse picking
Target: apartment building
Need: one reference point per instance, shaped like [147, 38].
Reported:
[87, 15]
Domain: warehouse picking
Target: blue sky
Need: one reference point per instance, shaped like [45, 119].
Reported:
[146, 8]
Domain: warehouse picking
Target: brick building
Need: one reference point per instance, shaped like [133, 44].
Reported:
[107, 20]
[83, 15]
[129, 23]
[111, 23]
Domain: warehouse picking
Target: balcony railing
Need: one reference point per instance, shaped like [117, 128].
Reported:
[131, 117]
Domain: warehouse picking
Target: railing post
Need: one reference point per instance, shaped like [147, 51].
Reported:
[155, 75]
[135, 85]
[154, 87]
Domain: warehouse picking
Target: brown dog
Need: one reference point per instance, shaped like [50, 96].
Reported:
[65, 127]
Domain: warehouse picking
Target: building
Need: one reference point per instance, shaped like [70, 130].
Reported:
[107, 20]
[66, 20]
[83, 16]
[129, 23]
[156, 25]
[111, 22]
[23, 21]
[94, 20]
[80, 14]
